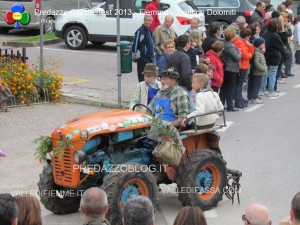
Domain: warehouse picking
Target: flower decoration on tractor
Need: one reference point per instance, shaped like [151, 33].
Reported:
[17, 15]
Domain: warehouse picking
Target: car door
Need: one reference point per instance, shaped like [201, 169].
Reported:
[104, 24]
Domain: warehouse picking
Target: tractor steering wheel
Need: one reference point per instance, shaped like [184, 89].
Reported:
[139, 104]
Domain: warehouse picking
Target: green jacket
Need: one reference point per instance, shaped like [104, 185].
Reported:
[97, 222]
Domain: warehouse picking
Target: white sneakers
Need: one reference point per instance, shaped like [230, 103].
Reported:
[273, 94]
[256, 101]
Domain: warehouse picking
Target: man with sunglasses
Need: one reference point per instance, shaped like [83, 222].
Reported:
[257, 214]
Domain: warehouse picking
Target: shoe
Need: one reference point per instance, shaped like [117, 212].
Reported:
[251, 101]
[245, 104]
[273, 95]
[264, 93]
[258, 101]
[291, 75]
[284, 76]
[232, 110]
[280, 82]
[277, 91]
[240, 106]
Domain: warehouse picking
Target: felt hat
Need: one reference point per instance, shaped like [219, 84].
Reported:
[150, 69]
[170, 72]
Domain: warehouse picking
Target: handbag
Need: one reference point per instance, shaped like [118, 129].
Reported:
[297, 57]
[168, 152]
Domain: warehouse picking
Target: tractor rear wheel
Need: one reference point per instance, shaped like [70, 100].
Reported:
[49, 193]
[204, 174]
[123, 183]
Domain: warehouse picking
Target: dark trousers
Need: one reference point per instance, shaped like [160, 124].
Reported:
[254, 84]
[227, 89]
[288, 61]
[140, 69]
[239, 87]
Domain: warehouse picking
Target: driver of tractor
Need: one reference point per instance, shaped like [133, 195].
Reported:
[171, 103]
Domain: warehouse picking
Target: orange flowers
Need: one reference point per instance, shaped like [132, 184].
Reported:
[27, 83]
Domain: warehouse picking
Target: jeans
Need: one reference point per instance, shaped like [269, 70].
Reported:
[254, 84]
[239, 87]
[272, 71]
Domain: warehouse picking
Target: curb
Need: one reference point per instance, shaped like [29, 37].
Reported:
[71, 98]
[31, 44]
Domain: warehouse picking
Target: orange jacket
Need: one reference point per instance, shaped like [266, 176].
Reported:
[247, 52]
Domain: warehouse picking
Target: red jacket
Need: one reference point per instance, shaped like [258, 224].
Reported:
[247, 52]
[152, 9]
[219, 70]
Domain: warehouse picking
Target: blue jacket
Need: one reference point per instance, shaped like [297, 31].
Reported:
[163, 63]
[143, 45]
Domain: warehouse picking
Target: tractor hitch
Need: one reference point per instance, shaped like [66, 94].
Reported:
[233, 184]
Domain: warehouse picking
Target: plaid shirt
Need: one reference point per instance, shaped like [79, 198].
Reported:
[179, 102]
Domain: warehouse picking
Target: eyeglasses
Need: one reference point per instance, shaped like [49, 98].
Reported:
[245, 219]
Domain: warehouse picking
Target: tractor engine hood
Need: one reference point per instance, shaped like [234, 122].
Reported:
[102, 122]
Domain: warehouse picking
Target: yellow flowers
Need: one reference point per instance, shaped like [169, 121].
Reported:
[27, 82]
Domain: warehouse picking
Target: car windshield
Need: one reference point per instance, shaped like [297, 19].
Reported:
[229, 3]
[188, 6]
[252, 2]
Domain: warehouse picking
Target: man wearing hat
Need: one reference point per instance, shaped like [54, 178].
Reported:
[146, 90]
[171, 103]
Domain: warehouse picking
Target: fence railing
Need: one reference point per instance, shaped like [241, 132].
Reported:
[14, 55]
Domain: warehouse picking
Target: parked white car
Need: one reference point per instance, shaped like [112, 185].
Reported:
[98, 26]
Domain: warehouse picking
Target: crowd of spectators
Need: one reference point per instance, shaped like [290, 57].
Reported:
[253, 57]
[25, 209]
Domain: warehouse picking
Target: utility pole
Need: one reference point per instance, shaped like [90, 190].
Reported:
[118, 54]
[41, 37]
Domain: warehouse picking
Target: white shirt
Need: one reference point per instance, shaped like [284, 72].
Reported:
[206, 102]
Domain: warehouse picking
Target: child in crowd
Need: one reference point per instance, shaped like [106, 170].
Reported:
[214, 56]
[259, 69]
[207, 101]
[146, 90]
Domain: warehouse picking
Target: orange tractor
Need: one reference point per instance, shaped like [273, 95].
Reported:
[110, 150]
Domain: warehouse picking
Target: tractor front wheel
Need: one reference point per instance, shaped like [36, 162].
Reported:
[125, 181]
[202, 179]
[51, 197]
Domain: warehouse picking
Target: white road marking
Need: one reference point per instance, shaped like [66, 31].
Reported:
[297, 86]
[66, 50]
[280, 94]
[211, 213]
[254, 107]
[228, 124]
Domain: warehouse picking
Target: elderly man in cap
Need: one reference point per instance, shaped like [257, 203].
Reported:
[146, 90]
[171, 103]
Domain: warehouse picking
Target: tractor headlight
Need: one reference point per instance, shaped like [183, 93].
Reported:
[84, 134]
[79, 157]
